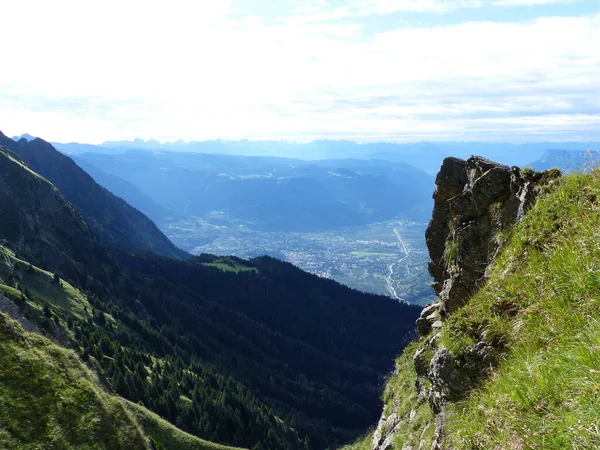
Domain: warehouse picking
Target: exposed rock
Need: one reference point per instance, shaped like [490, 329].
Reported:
[421, 360]
[437, 324]
[14, 312]
[438, 437]
[449, 183]
[474, 201]
[382, 438]
[448, 381]
[429, 316]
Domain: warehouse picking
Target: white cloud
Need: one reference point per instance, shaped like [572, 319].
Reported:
[529, 2]
[191, 71]
[338, 9]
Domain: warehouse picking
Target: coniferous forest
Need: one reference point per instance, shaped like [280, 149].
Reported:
[256, 354]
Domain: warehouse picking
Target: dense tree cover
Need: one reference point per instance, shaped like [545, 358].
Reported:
[266, 356]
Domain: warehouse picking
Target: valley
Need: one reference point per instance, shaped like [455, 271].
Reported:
[249, 353]
[300, 225]
[388, 258]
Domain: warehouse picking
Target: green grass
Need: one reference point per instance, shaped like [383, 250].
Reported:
[49, 400]
[39, 282]
[63, 295]
[12, 293]
[230, 265]
[450, 251]
[542, 305]
[166, 436]
[541, 309]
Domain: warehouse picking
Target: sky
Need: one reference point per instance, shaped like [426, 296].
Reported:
[365, 70]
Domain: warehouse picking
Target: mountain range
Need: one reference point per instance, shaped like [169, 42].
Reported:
[269, 194]
[426, 156]
[255, 353]
[115, 221]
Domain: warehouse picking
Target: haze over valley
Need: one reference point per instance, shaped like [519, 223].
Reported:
[300, 225]
[359, 220]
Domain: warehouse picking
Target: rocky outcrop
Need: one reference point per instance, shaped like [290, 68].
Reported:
[14, 312]
[476, 203]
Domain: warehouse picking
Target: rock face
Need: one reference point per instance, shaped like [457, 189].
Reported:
[476, 202]
[14, 312]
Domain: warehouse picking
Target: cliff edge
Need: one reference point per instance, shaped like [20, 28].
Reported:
[506, 356]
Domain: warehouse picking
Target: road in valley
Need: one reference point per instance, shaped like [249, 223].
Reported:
[389, 278]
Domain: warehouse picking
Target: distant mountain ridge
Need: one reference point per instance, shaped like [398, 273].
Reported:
[115, 221]
[249, 353]
[567, 161]
[426, 156]
[273, 194]
[25, 136]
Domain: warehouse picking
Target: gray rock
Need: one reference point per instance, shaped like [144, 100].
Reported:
[14, 312]
[420, 362]
[384, 433]
[448, 381]
[429, 315]
[474, 201]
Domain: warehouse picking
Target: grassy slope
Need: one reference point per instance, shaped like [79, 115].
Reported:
[167, 436]
[50, 400]
[53, 399]
[541, 305]
[230, 265]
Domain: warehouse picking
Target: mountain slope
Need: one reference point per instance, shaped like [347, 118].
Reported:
[247, 353]
[51, 232]
[567, 161]
[62, 404]
[273, 194]
[513, 362]
[110, 217]
[125, 190]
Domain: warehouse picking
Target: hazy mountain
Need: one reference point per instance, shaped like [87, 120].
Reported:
[75, 148]
[567, 161]
[426, 156]
[111, 217]
[274, 193]
[25, 136]
[250, 353]
[125, 190]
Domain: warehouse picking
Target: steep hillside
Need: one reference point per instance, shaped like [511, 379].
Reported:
[109, 216]
[35, 217]
[54, 401]
[125, 190]
[248, 353]
[508, 358]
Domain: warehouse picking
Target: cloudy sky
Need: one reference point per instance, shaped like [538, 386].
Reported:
[367, 70]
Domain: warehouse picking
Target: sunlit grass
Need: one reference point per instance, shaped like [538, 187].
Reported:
[542, 303]
[541, 309]
[49, 399]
